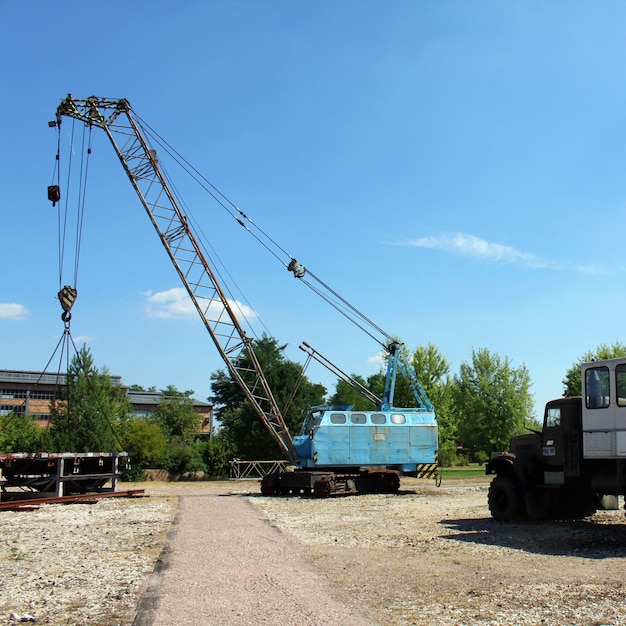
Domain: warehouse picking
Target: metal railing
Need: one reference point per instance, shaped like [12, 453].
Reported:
[246, 470]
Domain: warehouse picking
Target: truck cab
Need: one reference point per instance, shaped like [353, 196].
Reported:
[577, 462]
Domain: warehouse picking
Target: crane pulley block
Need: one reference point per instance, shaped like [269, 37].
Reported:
[54, 194]
[298, 269]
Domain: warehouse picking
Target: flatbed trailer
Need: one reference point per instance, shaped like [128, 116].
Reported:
[25, 475]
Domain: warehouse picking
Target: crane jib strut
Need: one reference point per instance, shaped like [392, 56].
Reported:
[141, 165]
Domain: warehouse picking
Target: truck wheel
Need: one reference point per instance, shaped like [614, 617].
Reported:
[504, 498]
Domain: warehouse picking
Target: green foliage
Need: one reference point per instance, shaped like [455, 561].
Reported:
[20, 433]
[183, 457]
[433, 372]
[242, 426]
[177, 417]
[147, 443]
[171, 391]
[345, 394]
[493, 400]
[90, 410]
[167, 439]
[217, 454]
[572, 383]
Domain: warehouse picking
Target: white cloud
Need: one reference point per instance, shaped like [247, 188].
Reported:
[470, 245]
[81, 339]
[176, 303]
[475, 247]
[10, 311]
[378, 360]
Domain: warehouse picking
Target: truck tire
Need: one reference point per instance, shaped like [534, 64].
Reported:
[504, 498]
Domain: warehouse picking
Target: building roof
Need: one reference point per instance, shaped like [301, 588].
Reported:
[42, 378]
[154, 397]
[17, 376]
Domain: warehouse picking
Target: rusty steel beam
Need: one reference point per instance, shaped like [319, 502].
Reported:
[78, 498]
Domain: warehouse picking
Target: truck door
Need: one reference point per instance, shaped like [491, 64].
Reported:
[562, 443]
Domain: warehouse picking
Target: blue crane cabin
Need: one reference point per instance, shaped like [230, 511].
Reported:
[397, 439]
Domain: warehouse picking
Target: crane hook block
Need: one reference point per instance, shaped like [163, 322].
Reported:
[298, 270]
[54, 194]
[67, 297]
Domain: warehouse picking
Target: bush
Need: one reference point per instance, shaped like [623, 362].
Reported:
[481, 457]
[216, 454]
[132, 474]
[184, 457]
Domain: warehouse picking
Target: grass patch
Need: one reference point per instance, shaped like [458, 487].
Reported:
[473, 470]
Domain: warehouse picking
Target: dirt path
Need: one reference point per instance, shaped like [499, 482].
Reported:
[224, 563]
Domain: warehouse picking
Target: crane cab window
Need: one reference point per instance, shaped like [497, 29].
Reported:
[337, 418]
[379, 418]
[553, 416]
[597, 393]
[620, 384]
[313, 419]
[398, 418]
[357, 418]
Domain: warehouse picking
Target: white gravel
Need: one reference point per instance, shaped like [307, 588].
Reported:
[425, 556]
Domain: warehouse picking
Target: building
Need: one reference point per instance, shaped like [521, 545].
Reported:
[32, 393]
[146, 402]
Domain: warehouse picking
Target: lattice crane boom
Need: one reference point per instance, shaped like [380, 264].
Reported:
[216, 311]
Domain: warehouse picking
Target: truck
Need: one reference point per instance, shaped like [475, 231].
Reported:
[576, 464]
[338, 450]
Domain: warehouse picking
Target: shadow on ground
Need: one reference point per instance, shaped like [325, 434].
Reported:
[590, 538]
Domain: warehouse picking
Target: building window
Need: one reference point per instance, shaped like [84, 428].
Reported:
[41, 395]
[5, 409]
[12, 394]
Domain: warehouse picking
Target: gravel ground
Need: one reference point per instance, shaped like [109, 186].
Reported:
[80, 564]
[424, 556]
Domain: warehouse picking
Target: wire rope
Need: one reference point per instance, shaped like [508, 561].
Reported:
[262, 237]
[82, 195]
[216, 262]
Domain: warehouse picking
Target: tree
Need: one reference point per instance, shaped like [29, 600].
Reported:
[180, 423]
[20, 433]
[146, 442]
[176, 415]
[493, 400]
[433, 372]
[217, 454]
[171, 391]
[346, 395]
[572, 382]
[90, 409]
[242, 425]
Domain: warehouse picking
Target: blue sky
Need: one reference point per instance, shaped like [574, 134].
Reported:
[454, 169]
